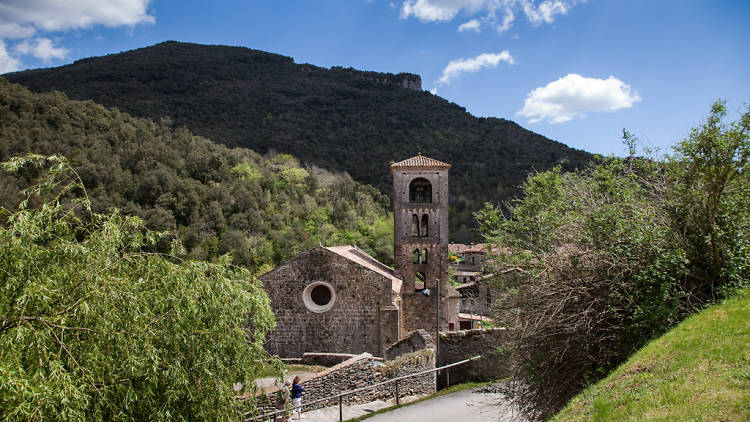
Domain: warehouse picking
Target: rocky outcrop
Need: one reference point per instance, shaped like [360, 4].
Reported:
[417, 340]
[412, 82]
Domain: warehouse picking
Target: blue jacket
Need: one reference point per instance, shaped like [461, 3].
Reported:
[297, 391]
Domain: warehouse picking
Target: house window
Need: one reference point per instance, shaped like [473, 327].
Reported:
[424, 256]
[419, 279]
[319, 297]
[414, 225]
[416, 256]
[424, 226]
[420, 190]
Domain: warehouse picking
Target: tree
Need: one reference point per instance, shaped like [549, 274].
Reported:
[709, 202]
[612, 256]
[95, 326]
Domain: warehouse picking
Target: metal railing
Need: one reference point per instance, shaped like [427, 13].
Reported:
[340, 396]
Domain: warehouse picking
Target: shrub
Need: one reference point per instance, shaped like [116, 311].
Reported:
[610, 257]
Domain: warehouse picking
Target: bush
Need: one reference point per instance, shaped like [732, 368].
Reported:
[610, 257]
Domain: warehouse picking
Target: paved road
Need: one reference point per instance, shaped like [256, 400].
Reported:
[463, 406]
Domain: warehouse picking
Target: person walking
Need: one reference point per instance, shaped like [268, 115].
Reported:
[297, 391]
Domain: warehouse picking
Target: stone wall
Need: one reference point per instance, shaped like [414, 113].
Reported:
[361, 371]
[460, 345]
[365, 370]
[418, 311]
[362, 318]
[417, 340]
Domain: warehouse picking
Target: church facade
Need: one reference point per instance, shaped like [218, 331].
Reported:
[341, 300]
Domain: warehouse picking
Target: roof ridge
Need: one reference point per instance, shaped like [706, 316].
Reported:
[364, 255]
[420, 161]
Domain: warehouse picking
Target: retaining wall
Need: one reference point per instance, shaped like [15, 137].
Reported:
[460, 345]
[361, 371]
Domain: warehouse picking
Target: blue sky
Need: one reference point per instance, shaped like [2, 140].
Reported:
[575, 71]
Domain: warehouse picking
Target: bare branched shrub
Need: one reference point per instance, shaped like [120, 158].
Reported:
[607, 258]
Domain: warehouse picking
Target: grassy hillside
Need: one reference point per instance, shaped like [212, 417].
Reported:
[264, 209]
[339, 119]
[699, 371]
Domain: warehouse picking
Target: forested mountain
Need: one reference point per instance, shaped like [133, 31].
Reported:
[264, 209]
[339, 119]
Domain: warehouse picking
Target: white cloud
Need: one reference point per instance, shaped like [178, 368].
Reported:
[14, 30]
[41, 48]
[56, 15]
[545, 12]
[456, 68]
[438, 10]
[574, 95]
[23, 19]
[508, 18]
[7, 62]
[472, 25]
[499, 13]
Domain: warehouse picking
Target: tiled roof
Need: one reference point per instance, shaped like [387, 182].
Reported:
[479, 247]
[420, 161]
[359, 256]
[460, 248]
[473, 317]
[456, 248]
[466, 273]
[465, 285]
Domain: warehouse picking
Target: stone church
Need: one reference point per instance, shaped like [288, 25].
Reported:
[341, 300]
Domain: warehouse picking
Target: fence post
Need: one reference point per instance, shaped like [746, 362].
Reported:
[397, 393]
[341, 408]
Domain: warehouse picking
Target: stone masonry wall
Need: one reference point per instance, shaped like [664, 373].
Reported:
[418, 311]
[362, 319]
[460, 345]
[360, 371]
[364, 370]
[417, 340]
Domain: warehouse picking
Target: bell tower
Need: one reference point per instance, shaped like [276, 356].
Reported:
[420, 236]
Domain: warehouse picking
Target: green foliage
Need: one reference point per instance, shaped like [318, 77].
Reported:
[710, 191]
[339, 119]
[95, 326]
[247, 171]
[263, 210]
[612, 256]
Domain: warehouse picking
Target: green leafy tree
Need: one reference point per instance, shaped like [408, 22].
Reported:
[210, 195]
[709, 202]
[93, 326]
[598, 262]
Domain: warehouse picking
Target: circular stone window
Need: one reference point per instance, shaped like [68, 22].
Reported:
[319, 296]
